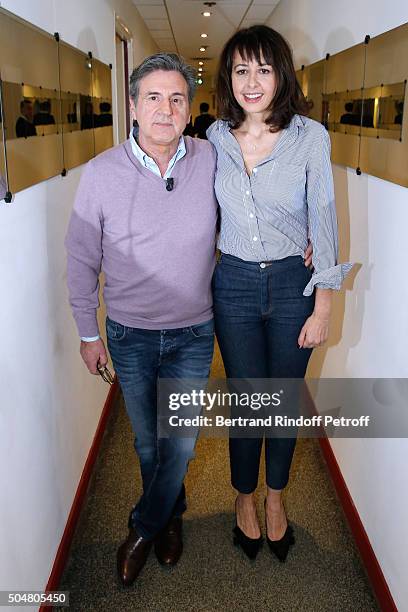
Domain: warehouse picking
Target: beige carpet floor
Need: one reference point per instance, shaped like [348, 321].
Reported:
[323, 571]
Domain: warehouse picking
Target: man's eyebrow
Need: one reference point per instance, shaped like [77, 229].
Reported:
[158, 93]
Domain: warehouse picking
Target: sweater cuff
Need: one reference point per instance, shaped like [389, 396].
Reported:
[331, 278]
[87, 325]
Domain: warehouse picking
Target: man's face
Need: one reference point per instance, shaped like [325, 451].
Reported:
[27, 111]
[162, 109]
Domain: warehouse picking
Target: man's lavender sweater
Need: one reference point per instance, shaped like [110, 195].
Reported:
[156, 247]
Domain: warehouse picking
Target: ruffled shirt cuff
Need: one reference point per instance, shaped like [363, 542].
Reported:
[331, 278]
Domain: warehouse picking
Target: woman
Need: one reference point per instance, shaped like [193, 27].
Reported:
[275, 189]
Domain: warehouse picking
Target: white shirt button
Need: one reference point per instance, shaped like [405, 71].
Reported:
[254, 238]
[262, 265]
[247, 192]
[251, 216]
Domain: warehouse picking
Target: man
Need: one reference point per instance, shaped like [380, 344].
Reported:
[44, 116]
[145, 212]
[24, 124]
[203, 121]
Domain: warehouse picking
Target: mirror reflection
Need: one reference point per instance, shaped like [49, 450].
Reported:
[313, 88]
[84, 112]
[77, 106]
[343, 111]
[65, 97]
[391, 110]
[104, 118]
[31, 111]
[375, 112]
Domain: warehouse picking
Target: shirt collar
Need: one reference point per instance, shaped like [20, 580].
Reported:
[146, 159]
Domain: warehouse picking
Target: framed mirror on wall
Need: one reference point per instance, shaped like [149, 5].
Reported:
[344, 103]
[56, 110]
[30, 103]
[386, 73]
[363, 98]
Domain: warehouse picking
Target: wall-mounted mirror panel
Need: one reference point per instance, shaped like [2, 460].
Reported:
[31, 111]
[299, 77]
[31, 108]
[345, 70]
[382, 111]
[343, 111]
[101, 80]
[56, 110]
[313, 86]
[391, 110]
[3, 171]
[344, 103]
[27, 54]
[102, 104]
[77, 106]
[386, 73]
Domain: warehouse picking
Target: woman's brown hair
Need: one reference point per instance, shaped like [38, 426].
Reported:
[264, 45]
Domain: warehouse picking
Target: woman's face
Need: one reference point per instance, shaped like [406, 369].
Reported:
[253, 84]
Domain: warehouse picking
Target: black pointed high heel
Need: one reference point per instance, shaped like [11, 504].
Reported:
[250, 546]
[280, 548]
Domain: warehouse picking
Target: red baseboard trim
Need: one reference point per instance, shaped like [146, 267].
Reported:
[374, 571]
[66, 540]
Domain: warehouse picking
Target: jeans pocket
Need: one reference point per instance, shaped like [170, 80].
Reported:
[203, 329]
[114, 330]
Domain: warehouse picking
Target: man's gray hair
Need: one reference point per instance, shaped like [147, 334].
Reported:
[162, 61]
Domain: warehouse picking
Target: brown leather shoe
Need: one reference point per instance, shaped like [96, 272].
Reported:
[131, 557]
[168, 545]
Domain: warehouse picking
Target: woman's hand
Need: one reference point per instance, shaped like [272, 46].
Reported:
[314, 332]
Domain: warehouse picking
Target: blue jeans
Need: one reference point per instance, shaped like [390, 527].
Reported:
[140, 357]
[259, 313]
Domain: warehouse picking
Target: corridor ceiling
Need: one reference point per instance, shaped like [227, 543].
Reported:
[177, 25]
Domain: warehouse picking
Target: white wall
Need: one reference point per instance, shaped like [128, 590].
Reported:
[50, 406]
[370, 328]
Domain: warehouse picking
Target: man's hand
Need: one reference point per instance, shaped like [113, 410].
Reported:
[314, 332]
[92, 353]
[308, 255]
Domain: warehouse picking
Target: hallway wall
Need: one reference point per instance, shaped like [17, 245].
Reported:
[370, 328]
[50, 406]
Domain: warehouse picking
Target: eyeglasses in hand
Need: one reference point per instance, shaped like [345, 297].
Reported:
[106, 375]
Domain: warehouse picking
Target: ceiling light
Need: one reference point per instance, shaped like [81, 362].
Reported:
[204, 35]
[201, 63]
[200, 70]
[203, 48]
[206, 14]
[200, 81]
